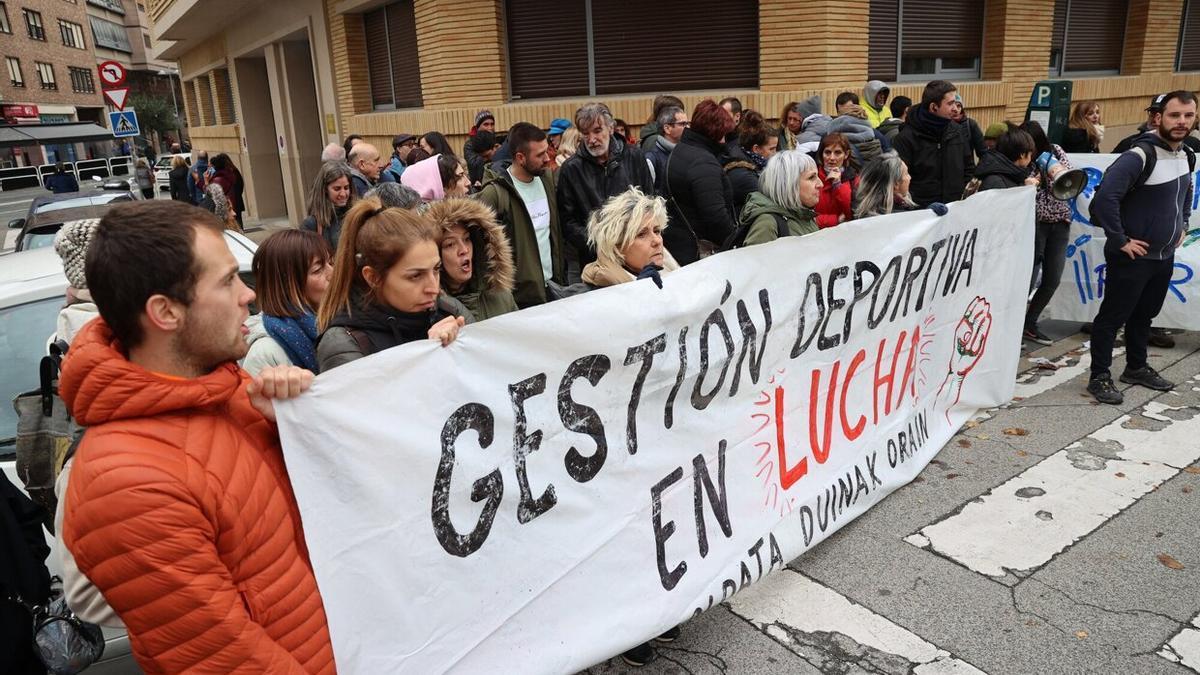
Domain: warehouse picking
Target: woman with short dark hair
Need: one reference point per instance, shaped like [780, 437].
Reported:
[699, 195]
[292, 269]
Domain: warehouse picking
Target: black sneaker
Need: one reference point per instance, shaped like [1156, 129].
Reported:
[1161, 338]
[1101, 387]
[1086, 328]
[639, 655]
[670, 636]
[1033, 334]
[1147, 377]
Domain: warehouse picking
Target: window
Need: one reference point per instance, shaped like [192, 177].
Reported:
[146, 39]
[110, 35]
[590, 50]
[5, 26]
[15, 77]
[920, 40]
[82, 81]
[1088, 37]
[1187, 56]
[46, 75]
[392, 64]
[110, 5]
[33, 24]
[72, 34]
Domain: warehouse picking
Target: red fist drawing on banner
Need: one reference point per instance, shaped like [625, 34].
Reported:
[970, 340]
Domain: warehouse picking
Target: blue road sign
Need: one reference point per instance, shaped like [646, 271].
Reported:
[124, 123]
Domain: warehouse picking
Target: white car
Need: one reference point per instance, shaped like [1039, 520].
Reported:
[162, 169]
[32, 290]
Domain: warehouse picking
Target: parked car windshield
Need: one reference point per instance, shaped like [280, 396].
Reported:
[24, 330]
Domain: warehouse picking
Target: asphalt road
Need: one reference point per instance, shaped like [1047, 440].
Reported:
[1053, 535]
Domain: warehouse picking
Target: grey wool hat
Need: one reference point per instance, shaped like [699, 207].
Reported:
[71, 244]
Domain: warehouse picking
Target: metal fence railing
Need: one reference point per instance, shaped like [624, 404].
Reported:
[19, 177]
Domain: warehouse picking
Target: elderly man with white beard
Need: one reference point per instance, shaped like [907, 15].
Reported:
[605, 167]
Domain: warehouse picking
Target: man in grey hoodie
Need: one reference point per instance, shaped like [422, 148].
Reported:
[1145, 219]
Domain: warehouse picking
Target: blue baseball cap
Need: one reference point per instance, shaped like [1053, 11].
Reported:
[557, 126]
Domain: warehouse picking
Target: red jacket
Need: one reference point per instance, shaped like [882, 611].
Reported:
[179, 510]
[835, 201]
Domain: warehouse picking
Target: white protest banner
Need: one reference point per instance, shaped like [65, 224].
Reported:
[565, 482]
[1082, 286]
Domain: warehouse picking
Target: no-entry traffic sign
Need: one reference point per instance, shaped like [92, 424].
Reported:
[112, 74]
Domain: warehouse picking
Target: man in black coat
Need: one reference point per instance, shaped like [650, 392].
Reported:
[603, 167]
[937, 151]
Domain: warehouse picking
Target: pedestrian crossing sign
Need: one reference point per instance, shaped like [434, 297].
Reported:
[124, 123]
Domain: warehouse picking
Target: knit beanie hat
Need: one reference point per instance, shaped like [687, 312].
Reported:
[71, 244]
[995, 130]
[483, 115]
[809, 106]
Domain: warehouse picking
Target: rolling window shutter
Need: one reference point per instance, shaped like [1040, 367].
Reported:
[547, 48]
[711, 45]
[1189, 37]
[378, 68]
[1060, 24]
[884, 40]
[1095, 35]
[402, 46]
[942, 28]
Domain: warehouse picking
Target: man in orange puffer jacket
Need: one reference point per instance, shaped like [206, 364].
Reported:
[179, 508]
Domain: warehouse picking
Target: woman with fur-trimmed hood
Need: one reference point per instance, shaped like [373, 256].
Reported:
[477, 260]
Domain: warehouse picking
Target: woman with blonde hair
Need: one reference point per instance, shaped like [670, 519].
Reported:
[568, 146]
[386, 287]
[477, 260]
[329, 198]
[144, 178]
[1084, 132]
[292, 269]
[177, 180]
[627, 235]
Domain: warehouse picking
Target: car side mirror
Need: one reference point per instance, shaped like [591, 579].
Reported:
[16, 224]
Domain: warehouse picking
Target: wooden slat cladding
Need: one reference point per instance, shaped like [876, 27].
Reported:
[882, 56]
[713, 44]
[547, 48]
[1095, 35]
[1189, 37]
[942, 28]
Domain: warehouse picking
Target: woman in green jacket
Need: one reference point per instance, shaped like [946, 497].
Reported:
[477, 260]
[788, 190]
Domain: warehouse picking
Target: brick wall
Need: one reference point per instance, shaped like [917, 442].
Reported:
[222, 101]
[348, 51]
[462, 61]
[812, 43]
[18, 44]
[1152, 36]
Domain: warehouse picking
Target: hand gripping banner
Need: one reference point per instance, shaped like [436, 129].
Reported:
[564, 482]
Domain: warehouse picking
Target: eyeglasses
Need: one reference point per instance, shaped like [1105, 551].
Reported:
[675, 124]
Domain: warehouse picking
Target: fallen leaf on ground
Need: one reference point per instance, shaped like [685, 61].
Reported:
[971, 424]
[983, 437]
[1191, 469]
[1120, 475]
[1169, 561]
[1022, 453]
[1187, 489]
[952, 475]
[964, 443]
[1016, 431]
[1081, 634]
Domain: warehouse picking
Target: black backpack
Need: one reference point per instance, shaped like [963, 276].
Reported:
[1150, 157]
[738, 238]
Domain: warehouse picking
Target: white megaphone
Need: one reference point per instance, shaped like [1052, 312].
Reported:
[1065, 184]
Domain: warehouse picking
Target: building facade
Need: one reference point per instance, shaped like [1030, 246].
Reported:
[121, 32]
[272, 83]
[51, 76]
